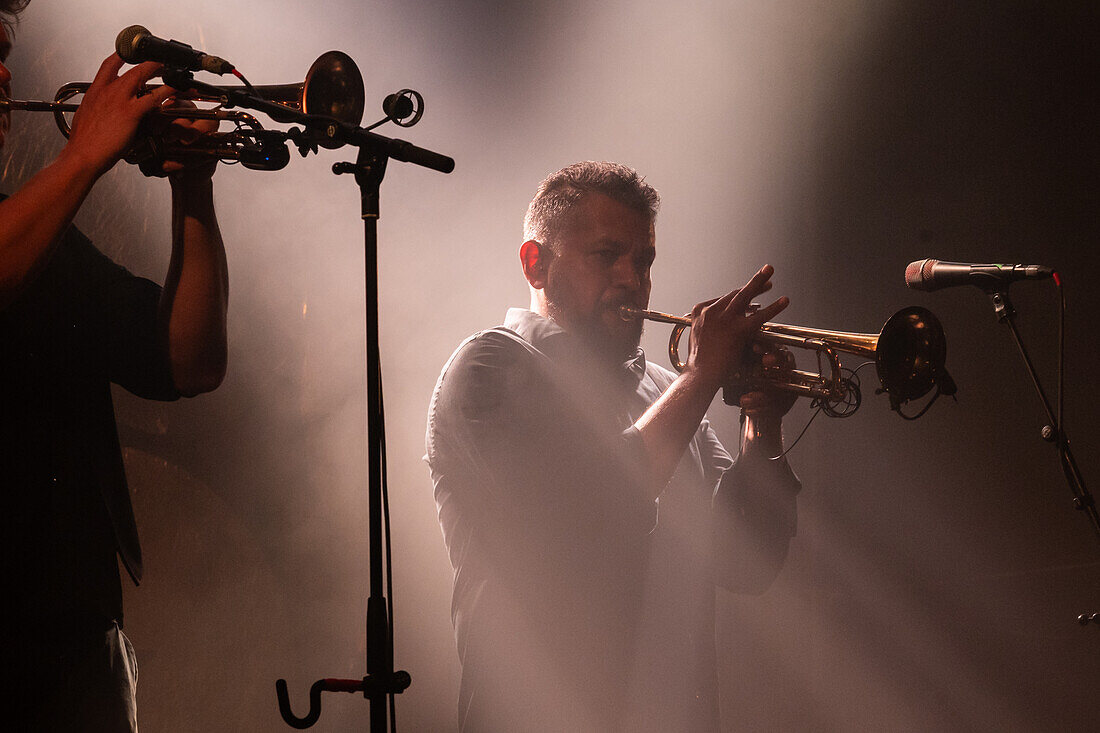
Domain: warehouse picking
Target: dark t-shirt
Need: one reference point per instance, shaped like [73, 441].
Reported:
[82, 323]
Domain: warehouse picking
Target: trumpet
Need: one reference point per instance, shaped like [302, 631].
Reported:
[333, 87]
[909, 353]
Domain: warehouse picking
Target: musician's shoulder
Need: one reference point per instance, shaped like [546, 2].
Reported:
[492, 344]
[486, 352]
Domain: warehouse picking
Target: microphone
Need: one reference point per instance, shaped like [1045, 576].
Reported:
[397, 106]
[933, 274]
[136, 44]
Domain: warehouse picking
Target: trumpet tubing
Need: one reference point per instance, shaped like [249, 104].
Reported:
[909, 353]
[333, 87]
[35, 105]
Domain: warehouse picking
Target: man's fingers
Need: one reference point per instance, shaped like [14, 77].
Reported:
[108, 69]
[705, 304]
[752, 402]
[187, 131]
[179, 103]
[757, 284]
[137, 76]
[776, 357]
[725, 299]
[155, 98]
[765, 314]
[158, 96]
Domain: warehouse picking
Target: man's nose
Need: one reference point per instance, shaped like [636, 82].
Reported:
[626, 274]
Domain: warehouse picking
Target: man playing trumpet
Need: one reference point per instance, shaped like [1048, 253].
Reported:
[71, 323]
[587, 506]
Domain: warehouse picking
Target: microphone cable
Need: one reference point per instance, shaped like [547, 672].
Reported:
[820, 409]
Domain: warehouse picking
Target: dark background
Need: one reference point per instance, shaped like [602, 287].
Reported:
[939, 566]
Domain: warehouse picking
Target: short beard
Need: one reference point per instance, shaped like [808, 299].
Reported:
[606, 345]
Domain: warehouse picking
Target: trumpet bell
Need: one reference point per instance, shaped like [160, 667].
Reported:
[910, 354]
[334, 87]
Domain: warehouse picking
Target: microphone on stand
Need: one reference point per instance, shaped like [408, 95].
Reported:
[136, 44]
[933, 274]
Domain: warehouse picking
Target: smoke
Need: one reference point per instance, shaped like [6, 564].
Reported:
[935, 560]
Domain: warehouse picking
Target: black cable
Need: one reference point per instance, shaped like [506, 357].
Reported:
[1061, 349]
[924, 409]
[389, 558]
[247, 84]
[806, 427]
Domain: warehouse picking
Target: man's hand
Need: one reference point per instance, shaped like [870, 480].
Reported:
[110, 112]
[722, 329]
[180, 133]
[770, 404]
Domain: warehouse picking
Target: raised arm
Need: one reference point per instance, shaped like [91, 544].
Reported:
[754, 513]
[195, 297]
[34, 217]
[720, 331]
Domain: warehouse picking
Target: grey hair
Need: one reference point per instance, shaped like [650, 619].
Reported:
[560, 191]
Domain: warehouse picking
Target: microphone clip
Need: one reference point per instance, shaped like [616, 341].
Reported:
[1002, 306]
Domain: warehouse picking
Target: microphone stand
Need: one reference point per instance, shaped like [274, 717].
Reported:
[381, 681]
[1051, 432]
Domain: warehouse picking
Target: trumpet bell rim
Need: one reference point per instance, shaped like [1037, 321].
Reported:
[334, 87]
[910, 354]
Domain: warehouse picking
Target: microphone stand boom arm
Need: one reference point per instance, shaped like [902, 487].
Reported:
[315, 127]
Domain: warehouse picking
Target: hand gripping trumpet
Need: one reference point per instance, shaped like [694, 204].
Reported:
[909, 353]
[333, 88]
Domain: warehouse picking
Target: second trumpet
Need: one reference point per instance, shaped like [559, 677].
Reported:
[333, 87]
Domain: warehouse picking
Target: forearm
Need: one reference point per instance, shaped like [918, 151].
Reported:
[762, 436]
[32, 220]
[669, 424]
[755, 512]
[194, 301]
[34, 217]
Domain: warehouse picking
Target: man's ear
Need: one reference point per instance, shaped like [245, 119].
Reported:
[535, 258]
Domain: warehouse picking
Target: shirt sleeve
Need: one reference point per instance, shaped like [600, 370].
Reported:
[123, 309]
[715, 458]
[754, 518]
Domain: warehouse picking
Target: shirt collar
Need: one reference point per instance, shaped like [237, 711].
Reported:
[533, 328]
[550, 338]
